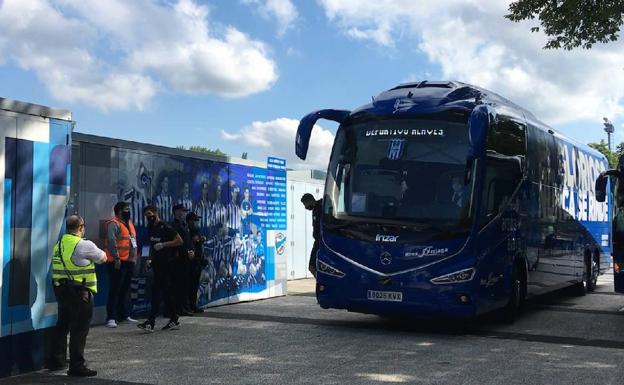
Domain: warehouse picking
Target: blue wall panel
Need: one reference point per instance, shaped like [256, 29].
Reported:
[34, 172]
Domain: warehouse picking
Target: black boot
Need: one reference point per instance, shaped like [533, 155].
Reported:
[82, 371]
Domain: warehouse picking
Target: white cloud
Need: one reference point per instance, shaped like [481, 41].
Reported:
[472, 42]
[119, 54]
[282, 10]
[277, 137]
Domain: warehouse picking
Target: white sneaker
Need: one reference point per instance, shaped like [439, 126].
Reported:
[130, 319]
[111, 323]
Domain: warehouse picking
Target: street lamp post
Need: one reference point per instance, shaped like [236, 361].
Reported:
[609, 129]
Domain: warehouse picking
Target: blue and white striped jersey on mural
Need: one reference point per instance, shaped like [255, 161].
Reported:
[221, 252]
[204, 210]
[219, 214]
[137, 202]
[164, 204]
[234, 217]
[186, 202]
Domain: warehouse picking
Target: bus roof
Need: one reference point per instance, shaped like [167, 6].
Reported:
[429, 97]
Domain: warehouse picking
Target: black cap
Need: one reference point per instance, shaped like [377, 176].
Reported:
[179, 206]
[192, 216]
[307, 197]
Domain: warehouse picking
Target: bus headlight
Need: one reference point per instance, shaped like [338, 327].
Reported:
[326, 269]
[456, 277]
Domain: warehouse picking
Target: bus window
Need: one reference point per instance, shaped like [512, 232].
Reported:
[507, 137]
[400, 172]
[502, 176]
[543, 159]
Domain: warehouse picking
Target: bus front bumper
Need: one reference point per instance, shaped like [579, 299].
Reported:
[410, 294]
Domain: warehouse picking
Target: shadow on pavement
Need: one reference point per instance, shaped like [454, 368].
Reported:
[47, 378]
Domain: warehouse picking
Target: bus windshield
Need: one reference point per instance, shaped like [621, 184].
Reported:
[403, 172]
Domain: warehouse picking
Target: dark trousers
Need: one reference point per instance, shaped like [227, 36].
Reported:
[315, 249]
[181, 281]
[119, 285]
[75, 309]
[195, 274]
[162, 288]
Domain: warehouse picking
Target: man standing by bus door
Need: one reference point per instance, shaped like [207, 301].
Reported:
[75, 282]
[316, 206]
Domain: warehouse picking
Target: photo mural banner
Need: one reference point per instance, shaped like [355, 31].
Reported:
[242, 210]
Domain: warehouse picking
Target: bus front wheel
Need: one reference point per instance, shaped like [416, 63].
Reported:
[589, 276]
[516, 296]
[592, 270]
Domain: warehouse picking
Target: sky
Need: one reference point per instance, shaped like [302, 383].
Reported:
[239, 74]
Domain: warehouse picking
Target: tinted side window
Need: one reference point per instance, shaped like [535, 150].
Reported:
[507, 137]
[502, 176]
[543, 159]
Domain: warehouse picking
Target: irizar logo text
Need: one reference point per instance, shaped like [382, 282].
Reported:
[386, 238]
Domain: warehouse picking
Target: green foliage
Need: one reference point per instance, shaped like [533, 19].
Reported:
[203, 150]
[612, 157]
[572, 23]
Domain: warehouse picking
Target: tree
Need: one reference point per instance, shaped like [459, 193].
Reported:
[612, 157]
[572, 23]
[203, 150]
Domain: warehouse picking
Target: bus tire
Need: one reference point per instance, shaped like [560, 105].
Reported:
[592, 270]
[581, 288]
[517, 295]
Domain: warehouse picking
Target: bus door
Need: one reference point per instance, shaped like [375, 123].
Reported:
[499, 217]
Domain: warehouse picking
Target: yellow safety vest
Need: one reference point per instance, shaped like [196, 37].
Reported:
[63, 268]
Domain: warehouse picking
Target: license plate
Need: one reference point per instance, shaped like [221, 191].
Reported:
[392, 296]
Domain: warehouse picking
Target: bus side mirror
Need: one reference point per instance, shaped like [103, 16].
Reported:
[601, 184]
[601, 188]
[477, 131]
[304, 130]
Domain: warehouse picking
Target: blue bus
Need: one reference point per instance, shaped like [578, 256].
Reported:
[443, 199]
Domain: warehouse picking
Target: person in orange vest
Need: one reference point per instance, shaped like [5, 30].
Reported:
[121, 253]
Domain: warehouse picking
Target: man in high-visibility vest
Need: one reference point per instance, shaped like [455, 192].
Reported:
[75, 282]
[121, 253]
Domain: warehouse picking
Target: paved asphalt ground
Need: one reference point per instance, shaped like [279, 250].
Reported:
[290, 340]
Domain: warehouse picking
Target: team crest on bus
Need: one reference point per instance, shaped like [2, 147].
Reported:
[401, 105]
[395, 150]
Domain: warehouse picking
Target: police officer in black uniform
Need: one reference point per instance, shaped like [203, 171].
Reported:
[163, 242]
[184, 254]
[197, 262]
[316, 206]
